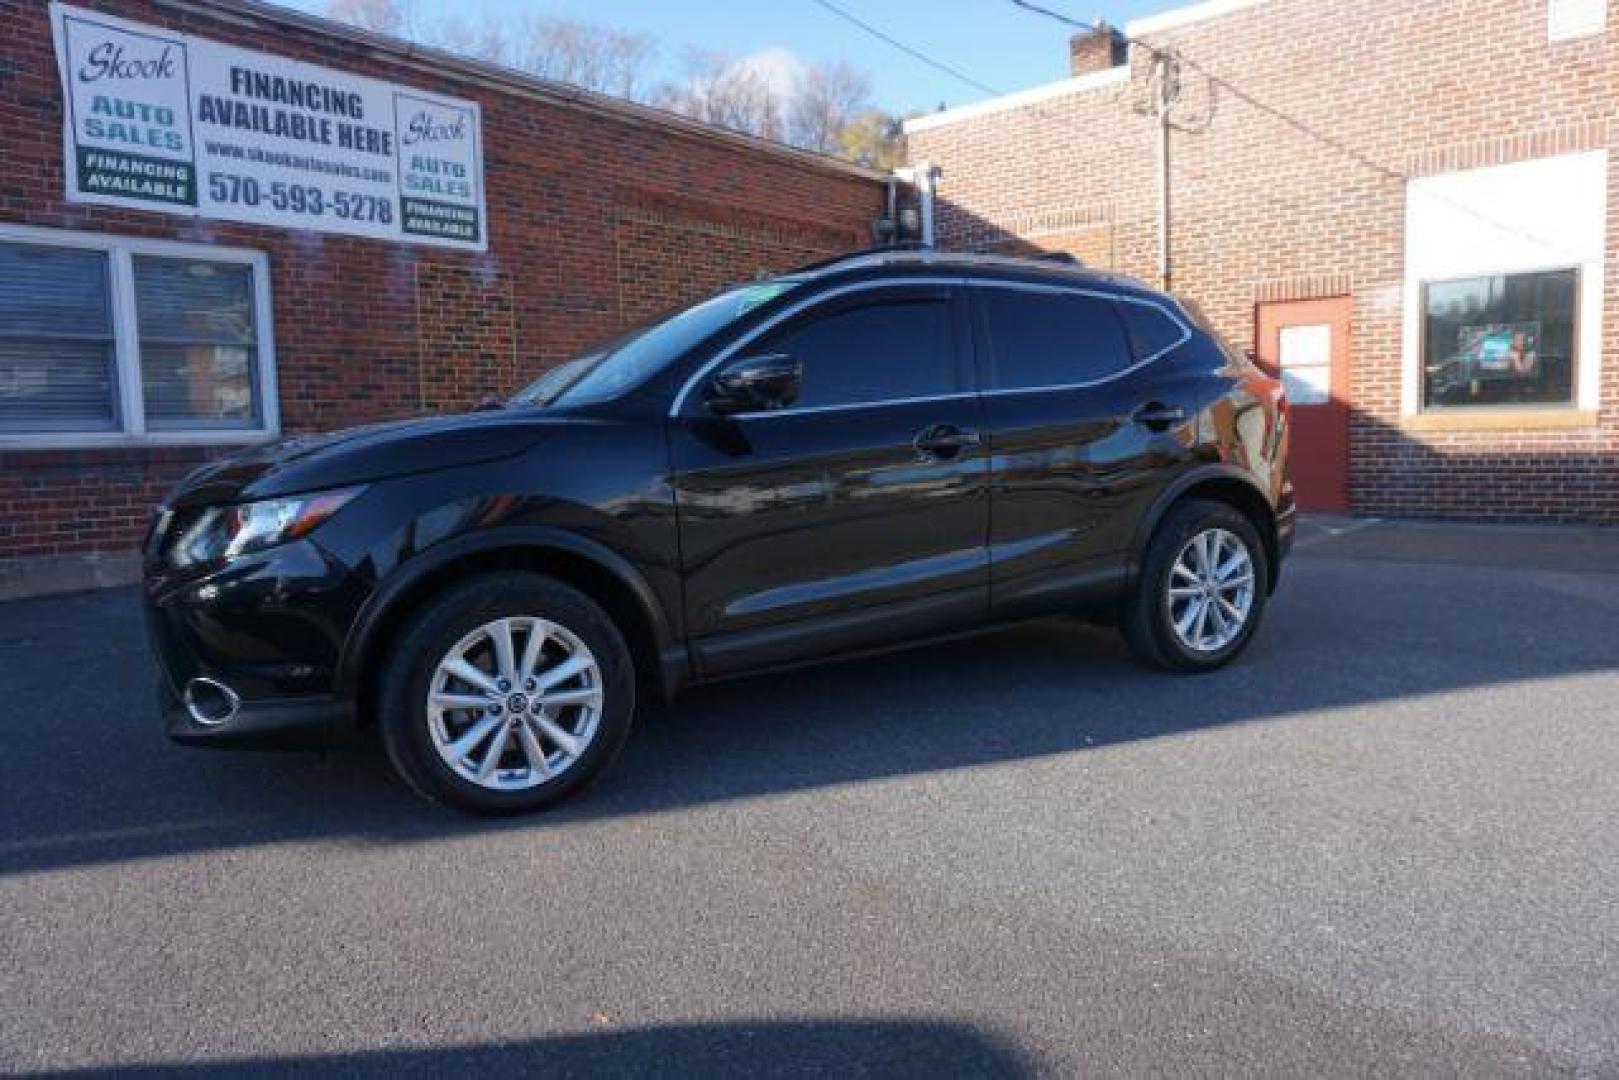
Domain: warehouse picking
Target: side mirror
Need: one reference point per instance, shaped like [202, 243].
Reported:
[756, 384]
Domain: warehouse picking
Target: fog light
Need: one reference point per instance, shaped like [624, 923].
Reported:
[210, 703]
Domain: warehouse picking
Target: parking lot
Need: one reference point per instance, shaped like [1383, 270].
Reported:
[1383, 841]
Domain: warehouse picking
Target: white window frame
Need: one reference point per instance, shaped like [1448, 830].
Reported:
[131, 406]
[1576, 242]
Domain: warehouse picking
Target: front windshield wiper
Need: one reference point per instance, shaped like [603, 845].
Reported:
[545, 390]
[568, 375]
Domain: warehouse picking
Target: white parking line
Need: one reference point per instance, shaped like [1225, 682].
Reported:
[1333, 534]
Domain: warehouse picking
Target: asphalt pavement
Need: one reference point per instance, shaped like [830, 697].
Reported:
[1384, 842]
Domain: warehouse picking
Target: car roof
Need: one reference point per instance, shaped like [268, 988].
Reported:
[881, 262]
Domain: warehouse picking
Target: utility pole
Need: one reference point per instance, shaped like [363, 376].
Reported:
[1167, 72]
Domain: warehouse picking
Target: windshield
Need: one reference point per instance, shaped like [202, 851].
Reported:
[629, 360]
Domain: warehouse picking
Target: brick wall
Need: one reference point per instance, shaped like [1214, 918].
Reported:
[596, 218]
[1293, 186]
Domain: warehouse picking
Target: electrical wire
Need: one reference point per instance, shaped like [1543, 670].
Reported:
[938, 65]
[1215, 79]
[1301, 126]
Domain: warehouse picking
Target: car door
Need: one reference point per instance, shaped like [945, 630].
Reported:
[856, 516]
[1084, 431]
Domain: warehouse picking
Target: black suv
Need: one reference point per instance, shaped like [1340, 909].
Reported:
[883, 449]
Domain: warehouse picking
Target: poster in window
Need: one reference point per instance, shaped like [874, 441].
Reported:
[1500, 350]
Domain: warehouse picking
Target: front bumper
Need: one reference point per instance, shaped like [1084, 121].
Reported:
[261, 725]
[269, 627]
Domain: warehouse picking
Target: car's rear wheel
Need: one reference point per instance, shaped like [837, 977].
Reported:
[505, 694]
[1202, 588]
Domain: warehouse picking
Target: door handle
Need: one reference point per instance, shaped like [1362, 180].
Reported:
[944, 440]
[1158, 416]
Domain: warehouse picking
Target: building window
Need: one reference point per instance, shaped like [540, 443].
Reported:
[1507, 339]
[57, 352]
[108, 340]
[1570, 19]
[197, 343]
[1506, 270]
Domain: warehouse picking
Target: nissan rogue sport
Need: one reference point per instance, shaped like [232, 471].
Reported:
[888, 448]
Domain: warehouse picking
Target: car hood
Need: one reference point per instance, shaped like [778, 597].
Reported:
[362, 454]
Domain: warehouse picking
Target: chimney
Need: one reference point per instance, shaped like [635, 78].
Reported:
[1090, 51]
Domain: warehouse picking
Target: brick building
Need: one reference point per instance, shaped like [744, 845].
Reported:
[135, 343]
[1406, 204]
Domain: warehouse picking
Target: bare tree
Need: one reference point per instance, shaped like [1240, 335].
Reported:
[582, 54]
[826, 99]
[728, 93]
[825, 108]
[381, 16]
[487, 41]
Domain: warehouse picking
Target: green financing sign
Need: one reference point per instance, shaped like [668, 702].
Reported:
[180, 124]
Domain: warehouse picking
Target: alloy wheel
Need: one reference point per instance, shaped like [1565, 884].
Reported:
[515, 703]
[1211, 590]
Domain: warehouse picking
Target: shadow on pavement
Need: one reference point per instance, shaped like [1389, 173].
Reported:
[752, 1049]
[86, 776]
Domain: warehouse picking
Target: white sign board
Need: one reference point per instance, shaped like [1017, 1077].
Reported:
[165, 121]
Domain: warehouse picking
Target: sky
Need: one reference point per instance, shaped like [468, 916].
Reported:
[991, 40]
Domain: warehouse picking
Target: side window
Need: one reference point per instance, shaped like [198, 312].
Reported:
[1149, 329]
[1040, 338]
[875, 352]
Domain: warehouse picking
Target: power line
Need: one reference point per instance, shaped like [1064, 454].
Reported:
[917, 54]
[1301, 126]
[1081, 24]
[1175, 56]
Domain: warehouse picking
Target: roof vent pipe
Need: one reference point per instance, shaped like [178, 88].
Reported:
[924, 176]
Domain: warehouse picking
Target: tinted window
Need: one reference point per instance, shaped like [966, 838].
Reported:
[876, 352]
[1149, 329]
[1052, 338]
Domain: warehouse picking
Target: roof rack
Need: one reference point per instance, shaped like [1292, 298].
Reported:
[881, 249]
[912, 252]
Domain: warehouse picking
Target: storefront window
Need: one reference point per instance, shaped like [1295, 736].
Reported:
[104, 338]
[1507, 340]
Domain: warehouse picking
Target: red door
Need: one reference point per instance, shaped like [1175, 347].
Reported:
[1306, 344]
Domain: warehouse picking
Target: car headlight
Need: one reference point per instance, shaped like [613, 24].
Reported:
[224, 532]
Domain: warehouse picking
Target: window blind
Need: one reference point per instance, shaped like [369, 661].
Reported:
[57, 358]
[198, 358]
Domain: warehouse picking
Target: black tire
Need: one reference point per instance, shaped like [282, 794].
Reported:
[1146, 618]
[430, 635]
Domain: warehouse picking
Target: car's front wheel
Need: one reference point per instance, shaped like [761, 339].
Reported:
[1202, 588]
[505, 694]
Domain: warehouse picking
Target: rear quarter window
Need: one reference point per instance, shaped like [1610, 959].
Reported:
[1150, 330]
[1043, 338]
